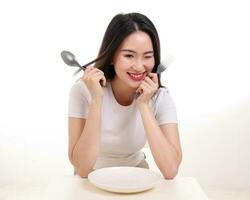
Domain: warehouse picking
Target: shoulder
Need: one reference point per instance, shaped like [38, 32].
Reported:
[164, 107]
[79, 85]
[163, 98]
[80, 89]
[161, 93]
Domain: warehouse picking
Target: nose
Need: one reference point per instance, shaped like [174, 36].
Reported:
[139, 65]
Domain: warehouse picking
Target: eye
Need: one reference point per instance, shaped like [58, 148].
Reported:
[129, 56]
[148, 57]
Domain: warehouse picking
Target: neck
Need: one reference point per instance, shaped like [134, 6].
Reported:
[122, 93]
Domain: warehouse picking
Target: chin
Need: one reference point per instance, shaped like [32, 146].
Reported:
[134, 85]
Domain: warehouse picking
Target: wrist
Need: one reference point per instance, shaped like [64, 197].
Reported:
[142, 105]
[96, 101]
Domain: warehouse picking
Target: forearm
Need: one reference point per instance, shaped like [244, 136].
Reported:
[164, 153]
[87, 148]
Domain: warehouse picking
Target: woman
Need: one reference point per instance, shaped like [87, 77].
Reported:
[119, 104]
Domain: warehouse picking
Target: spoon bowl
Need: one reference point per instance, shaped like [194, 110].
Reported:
[69, 59]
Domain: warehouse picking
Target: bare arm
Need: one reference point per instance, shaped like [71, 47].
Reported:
[84, 139]
[85, 135]
[164, 143]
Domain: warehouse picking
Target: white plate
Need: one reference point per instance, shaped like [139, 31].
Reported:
[124, 179]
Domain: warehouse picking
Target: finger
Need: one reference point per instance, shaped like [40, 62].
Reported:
[101, 78]
[149, 89]
[147, 86]
[86, 71]
[91, 69]
[104, 81]
[153, 77]
[88, 68]
[95, 71]
[140, 89]
[98, 70]
[151, 83]
[143, 88]
[91, 72]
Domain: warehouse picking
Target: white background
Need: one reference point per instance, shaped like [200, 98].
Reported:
[208, 81]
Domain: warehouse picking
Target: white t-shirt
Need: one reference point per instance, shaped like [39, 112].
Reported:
[122, 131]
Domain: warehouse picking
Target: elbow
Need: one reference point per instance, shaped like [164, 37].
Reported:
[70, 157]
[170, 174]
[83, 173]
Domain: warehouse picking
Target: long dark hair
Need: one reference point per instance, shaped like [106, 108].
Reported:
[118, 29]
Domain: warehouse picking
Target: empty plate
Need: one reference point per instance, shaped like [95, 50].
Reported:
[124, 179]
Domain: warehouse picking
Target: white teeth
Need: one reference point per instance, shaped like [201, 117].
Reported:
[136, 76]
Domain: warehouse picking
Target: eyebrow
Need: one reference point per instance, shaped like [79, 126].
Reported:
[131, 51]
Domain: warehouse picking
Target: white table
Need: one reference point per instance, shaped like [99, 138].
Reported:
[76, 188]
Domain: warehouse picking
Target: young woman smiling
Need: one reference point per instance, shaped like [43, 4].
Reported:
[119, 104]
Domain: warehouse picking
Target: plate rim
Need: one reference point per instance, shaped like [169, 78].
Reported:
[122, 189]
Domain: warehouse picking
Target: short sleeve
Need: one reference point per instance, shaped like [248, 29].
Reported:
[165, 108]
[78, 101]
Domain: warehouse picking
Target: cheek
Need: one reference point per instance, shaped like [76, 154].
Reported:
[123, 64]
[125, 61]
[150, 64]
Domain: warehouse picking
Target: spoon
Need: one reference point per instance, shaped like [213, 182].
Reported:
[70, 59]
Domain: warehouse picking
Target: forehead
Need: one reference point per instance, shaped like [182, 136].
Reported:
[137, 41]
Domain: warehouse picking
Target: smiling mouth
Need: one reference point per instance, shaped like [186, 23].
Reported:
[137, 77]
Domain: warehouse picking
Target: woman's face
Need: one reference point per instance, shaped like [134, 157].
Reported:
[134, 59]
